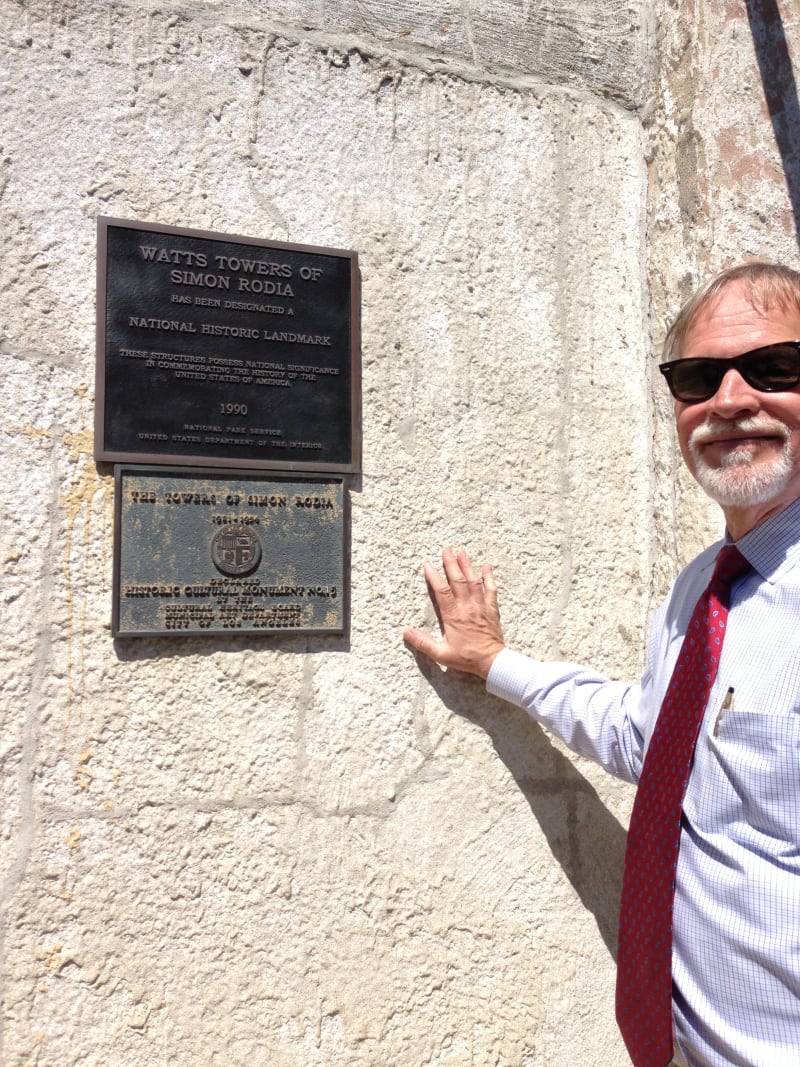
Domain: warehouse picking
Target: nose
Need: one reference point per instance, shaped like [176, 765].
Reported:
[734, 396]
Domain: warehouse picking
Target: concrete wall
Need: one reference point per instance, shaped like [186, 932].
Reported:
[316, 851]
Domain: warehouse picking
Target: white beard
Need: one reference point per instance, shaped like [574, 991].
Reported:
[743, 480]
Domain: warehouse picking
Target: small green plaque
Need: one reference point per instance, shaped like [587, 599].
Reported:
[224, 552]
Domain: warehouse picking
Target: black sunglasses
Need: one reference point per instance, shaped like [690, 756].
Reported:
[771, 369]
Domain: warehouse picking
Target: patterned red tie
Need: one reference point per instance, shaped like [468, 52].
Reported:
[644, 959]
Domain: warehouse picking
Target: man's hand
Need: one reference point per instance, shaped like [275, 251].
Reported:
[466, 606]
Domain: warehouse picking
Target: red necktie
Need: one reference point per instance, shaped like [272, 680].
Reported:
[644, 959]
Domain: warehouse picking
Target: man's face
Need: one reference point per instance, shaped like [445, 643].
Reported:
[742, 445]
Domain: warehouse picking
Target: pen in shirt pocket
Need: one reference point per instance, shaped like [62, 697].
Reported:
[726, 705]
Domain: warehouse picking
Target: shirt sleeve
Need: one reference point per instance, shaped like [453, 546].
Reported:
[595, 717]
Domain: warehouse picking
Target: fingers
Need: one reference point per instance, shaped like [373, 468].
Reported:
[460, 578]
[490, 586]
[466, 567]
[452, 570]
[459, 571]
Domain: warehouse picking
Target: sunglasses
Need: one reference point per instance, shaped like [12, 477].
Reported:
[771, 369]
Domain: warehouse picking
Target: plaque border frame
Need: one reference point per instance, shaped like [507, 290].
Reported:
[107, 455]
[227, 635]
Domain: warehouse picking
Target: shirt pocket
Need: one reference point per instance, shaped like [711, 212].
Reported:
[752, 780]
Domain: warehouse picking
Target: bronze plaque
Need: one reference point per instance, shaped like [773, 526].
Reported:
[227, 552]
[218, 350]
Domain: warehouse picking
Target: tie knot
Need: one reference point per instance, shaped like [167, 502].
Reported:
[730, 565]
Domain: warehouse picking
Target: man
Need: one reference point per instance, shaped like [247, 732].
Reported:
[732, 927]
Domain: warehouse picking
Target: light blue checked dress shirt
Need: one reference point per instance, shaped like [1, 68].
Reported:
[736, 952]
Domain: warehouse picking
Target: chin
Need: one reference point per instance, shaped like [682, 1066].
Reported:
[745, 485]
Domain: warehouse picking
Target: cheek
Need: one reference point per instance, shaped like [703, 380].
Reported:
[687, 418]
[789, 413]
[786, 408]
[794, 447]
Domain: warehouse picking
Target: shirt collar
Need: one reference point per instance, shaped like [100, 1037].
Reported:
[773, 547]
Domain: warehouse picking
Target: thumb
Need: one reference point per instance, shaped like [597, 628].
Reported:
[421, 642]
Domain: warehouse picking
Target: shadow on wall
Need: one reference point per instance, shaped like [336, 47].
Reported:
[780, 91]
[584, 837]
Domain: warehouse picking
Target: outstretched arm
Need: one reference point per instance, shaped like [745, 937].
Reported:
[466, 606]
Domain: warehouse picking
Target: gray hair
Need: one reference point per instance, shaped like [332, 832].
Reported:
[766, 285]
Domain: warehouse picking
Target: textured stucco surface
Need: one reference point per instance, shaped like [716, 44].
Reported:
[316, 851]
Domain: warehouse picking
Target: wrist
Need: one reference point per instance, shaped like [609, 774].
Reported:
[488, 661]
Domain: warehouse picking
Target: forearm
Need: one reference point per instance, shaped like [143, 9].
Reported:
[595, 717]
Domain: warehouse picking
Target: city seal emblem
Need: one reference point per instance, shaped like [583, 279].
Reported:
[236, 550]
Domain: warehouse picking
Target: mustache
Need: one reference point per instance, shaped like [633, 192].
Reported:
[716, 428]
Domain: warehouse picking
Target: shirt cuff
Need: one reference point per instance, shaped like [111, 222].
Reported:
[510, 676]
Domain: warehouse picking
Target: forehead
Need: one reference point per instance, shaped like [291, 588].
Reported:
[733, 322]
